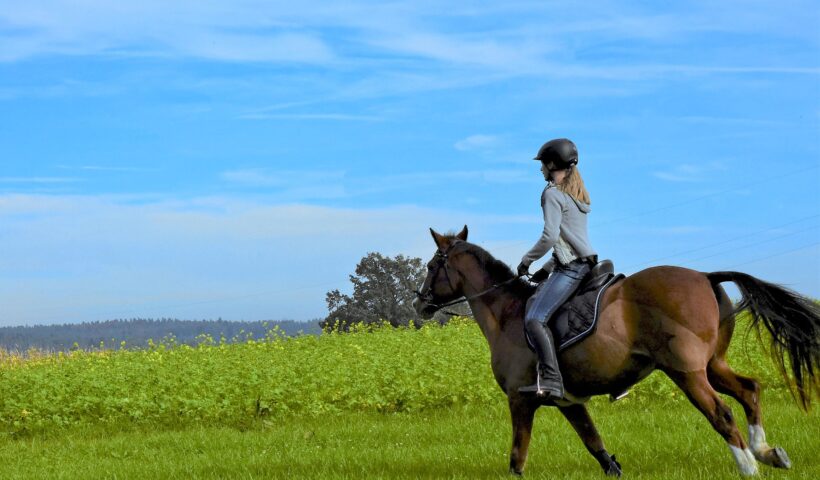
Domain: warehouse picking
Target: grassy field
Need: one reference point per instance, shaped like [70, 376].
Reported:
[376, 404]
[666, 439]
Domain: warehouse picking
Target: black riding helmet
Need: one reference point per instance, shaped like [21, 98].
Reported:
[561, 152]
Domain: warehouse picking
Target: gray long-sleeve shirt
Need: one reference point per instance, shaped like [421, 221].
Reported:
[565, 220]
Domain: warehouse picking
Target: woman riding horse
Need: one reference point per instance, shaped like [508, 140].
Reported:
[673, 319]
[565, 203]
[667, 318]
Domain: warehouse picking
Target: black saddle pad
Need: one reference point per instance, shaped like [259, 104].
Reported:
[577, 318]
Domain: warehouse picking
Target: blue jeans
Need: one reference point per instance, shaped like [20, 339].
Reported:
[553, 292]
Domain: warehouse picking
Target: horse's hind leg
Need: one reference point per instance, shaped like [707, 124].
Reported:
[697, 388]
[747, 392]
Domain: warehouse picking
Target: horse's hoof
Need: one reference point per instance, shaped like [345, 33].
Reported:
[779, 459]
[515, 469]
[614, 468]
[773, 457]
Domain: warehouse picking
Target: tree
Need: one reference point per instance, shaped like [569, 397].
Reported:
[382, 291]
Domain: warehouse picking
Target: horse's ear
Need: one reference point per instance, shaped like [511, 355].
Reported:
[441, 241]
[462, 235]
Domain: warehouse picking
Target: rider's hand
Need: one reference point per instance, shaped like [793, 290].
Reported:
[523, 269]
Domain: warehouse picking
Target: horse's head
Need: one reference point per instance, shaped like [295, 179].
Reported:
[443, 282]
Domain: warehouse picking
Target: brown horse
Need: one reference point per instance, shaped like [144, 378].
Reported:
[672, 319]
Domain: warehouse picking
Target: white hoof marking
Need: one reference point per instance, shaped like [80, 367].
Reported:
[775, 457]
[757, 439]
[745, 459]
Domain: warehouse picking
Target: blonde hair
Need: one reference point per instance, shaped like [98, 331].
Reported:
[573, 185]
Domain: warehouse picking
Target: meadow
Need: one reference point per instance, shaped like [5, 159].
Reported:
[376, 403]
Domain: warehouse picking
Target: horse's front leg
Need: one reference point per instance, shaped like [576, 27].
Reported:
[522, 413]
[578, 417]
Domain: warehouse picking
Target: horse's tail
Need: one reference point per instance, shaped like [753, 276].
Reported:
[793, 322]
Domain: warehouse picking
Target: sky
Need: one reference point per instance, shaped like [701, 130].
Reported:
[236, 159]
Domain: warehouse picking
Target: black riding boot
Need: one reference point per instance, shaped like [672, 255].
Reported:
[548, 380]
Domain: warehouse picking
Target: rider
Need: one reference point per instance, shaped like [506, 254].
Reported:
[565, 203]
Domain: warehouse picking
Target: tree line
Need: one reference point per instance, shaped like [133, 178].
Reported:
[137, 331]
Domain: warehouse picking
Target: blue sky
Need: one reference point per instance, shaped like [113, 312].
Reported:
[236, 159]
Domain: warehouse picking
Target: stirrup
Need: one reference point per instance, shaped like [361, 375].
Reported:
[539, 390]
[542, 391]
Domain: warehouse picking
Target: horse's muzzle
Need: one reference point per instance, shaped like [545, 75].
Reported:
[424, 309]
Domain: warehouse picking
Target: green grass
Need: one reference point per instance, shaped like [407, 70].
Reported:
[384, 370]
[374, 404]
[667, 439]
[380, 371]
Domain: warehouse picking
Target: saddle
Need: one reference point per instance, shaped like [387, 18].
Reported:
[578, 317]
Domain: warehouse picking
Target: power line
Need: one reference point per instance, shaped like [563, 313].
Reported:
[774, 255]
[308, 287]
[685, 202]
[755, 244]
[729, 241]
[621, 219]
[692, 200]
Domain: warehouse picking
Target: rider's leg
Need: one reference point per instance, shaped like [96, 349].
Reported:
[548, 379]
[549, 296]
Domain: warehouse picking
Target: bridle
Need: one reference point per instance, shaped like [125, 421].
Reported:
[441, 261]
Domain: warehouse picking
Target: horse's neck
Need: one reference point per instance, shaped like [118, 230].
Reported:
[490, 310]
[487, 319]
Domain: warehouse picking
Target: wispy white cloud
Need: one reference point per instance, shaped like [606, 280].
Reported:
[383, 184]
[265, 177]
[677, 177]
[477, 142]
[512, 55]
[410, 180]
[763, 122]
[235, 32]
[395, 35]
[57, 88]
[343, 117]
[88, 258]
[38, 180]
[288, 47]
[106, 168]
[674, 230]
[352, 51]
[291, 185]
[689, 172]
[304, 185]
[92, 257]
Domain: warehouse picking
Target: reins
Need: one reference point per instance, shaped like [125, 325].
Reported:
[443, 256]
[471, 297]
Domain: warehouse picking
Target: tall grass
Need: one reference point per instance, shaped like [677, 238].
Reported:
[372, 370]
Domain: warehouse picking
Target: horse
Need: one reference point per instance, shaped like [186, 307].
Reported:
[667, 318]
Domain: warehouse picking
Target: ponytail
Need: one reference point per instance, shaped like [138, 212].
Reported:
[573, 185]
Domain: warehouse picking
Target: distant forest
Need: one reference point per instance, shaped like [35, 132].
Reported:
[136, 332]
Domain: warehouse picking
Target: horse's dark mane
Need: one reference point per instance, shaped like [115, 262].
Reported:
[497, 270]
